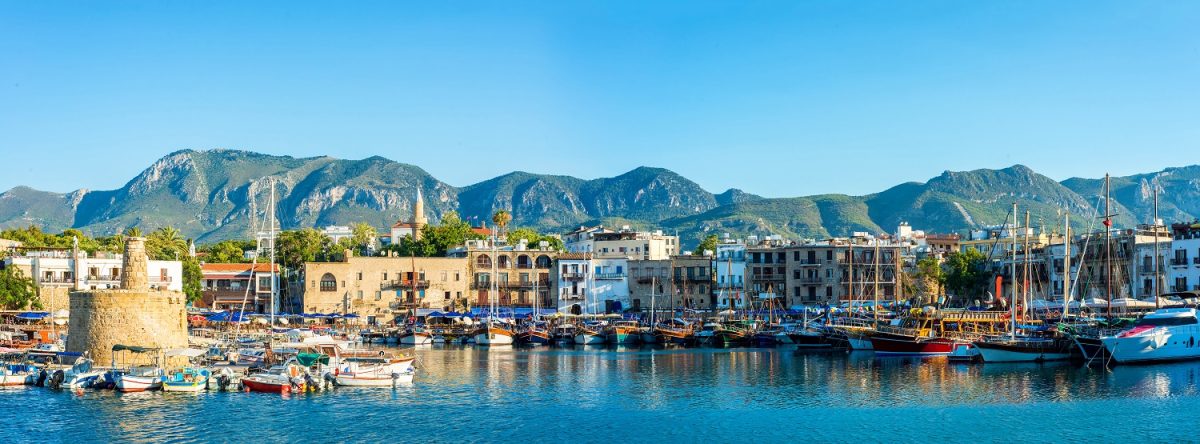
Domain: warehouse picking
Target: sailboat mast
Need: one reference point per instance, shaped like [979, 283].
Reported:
[274, 278]
[1107, 247]
[876, 289]
[1027, 276]
[1157, 280]
[1012, 298]
[850, 282]
[1066, 264]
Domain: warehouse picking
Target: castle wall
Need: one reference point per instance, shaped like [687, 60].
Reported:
[103, 318]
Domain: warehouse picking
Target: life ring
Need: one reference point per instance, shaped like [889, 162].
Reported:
[1054, 314]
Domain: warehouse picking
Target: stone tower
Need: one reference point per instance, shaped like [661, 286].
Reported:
[132, 315]
[419, 221]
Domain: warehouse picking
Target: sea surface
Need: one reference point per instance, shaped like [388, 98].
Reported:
[605, 395]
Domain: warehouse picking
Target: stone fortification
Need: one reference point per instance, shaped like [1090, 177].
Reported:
[134, 315]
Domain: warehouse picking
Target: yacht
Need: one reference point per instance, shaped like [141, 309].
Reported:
[1168, 334]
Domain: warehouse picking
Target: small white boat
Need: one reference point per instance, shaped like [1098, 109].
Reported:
[139, 379]
[374, 372]
[13, 375]
[80, 375]
[585, 336]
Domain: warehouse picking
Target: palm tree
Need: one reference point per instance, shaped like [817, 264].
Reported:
[133, 231]
[166, 244]
[502, 218]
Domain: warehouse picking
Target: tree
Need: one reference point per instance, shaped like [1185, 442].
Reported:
[965, 275]
[501, 219]
[365, 235]
[17, 292]
[436, 240]
[534, 238]
[227, 251]
[192, 275]
[928, 279]
[166, 244]
[708, 244]
[295, 247]
[133, 232]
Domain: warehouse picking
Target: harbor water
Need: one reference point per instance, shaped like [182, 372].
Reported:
[465, 394]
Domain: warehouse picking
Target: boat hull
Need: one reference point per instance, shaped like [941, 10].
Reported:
[1151, 348]
[133, 384]
[265, 386]
[589, 338]
[494, 336]
[416, 339]
[373, 380]
[902, 345]
[1016, 352]
[623, 338]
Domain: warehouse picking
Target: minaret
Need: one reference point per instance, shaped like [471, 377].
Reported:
[419, 221]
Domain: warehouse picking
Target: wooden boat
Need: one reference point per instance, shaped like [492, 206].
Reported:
[564, 334]
[910, 343]
[732, 336]
[675, 335]
[416, 337]
[534, 335]
[494, 334]
[1024, 349]
[187, 379]
[588, 336]
[624, 332]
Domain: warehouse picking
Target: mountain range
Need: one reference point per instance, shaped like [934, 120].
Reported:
[218, 194]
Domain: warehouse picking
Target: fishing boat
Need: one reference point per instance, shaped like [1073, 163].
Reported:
[732, 335]
[624, 333]
[563, 334]
[1168, 334]
[286, 378]
[416, 337]
[808, 337]
[139, 379]
[17, 375]
[187, 379]
[707, 332]
[588, 335]
[535, 334]
[494, 333]
[374, 372]
[676, 331]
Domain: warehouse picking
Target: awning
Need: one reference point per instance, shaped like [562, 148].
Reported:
[186, 352]
[132, 348]
[33, 315]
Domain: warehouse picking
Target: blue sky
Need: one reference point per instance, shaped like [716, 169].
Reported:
[777, 98]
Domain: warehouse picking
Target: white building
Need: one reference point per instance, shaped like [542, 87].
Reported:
[338, 232]
[729, 267]
[1183, 268]
[78, 271]
[626, 243]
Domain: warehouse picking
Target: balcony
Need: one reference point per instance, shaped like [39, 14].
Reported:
[404, 284]
[1178, 288]
[1179, 262]
[566, 295]
[573, 276]
[544, 283]
[806, 263]
[700, 278]
[769, 277]
[729, 287]
[609, 276]
[811, 280]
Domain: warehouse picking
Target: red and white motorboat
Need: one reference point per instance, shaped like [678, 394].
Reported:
[285, 378]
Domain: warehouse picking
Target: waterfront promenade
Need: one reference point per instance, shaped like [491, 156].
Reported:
[467, 394]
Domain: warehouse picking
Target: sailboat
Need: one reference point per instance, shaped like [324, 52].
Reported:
[1028, 347]
[493, 332]
[648, 333]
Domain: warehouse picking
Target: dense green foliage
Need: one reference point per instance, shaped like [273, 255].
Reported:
[436, 239]
[966, 275]
[708, 244]
[17, 291]
[34, 237]
[534, 238]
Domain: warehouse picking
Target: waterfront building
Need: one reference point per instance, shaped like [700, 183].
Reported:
[691, 281]
[336, 233]
[1131, 252]
[380, 289]
[1183, 271]
[590, 285]
[729, 268]
[229, 286]
[56, 272]
[627, 243]
[650, 278]
[522, 272]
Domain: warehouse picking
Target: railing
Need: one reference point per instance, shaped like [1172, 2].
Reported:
[524, 266]
[1178, 261]
[543, 283]
[403, 283]
[55, 280]
[807, 263]
[701, 278]
[160, 279]
[574, 276]
[811, 280]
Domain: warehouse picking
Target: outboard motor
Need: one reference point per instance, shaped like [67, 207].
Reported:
[330, 379]
[41, 378]
[56, 379]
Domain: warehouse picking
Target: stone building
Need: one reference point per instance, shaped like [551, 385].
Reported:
[136, 314]
[521, 273]
[691, 281]
[650, 284]
[379, 289]
[229, 286]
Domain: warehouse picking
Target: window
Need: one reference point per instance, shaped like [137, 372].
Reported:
[378, 295]
[360, 275]
[385, 276]
[359, 294]
[328, 282]
[447, 296]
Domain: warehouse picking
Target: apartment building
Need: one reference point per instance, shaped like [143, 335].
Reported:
[380, 289]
